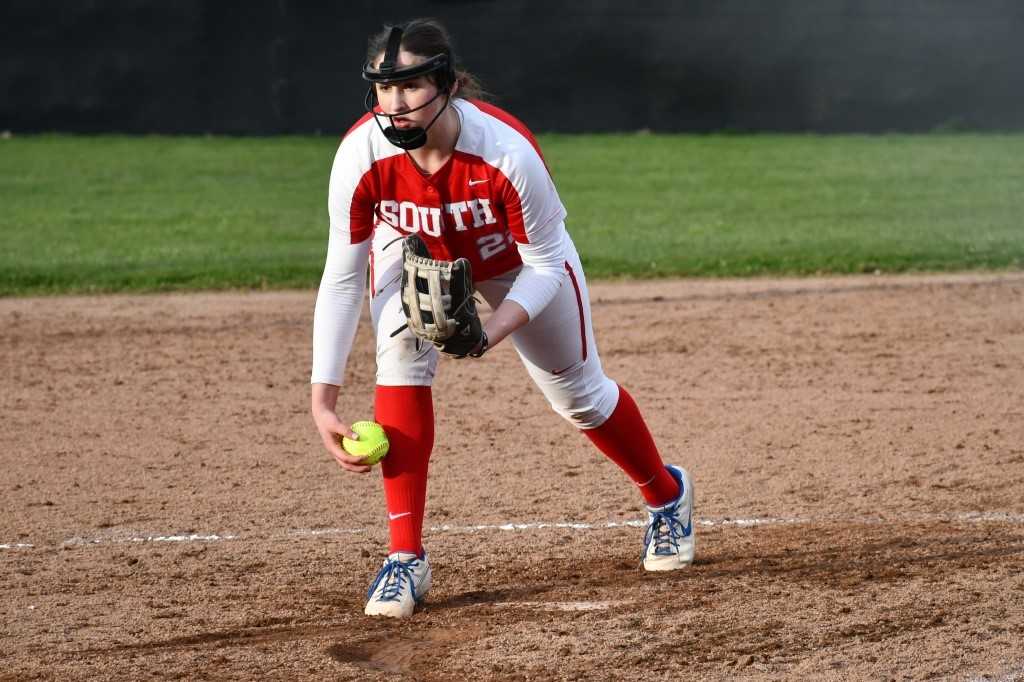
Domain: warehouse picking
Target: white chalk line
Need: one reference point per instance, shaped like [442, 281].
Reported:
[191, 537]
[557, 605]
[129, 537]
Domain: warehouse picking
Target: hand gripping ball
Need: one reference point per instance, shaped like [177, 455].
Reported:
[372, 444]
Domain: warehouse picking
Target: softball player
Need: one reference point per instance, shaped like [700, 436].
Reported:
[429, 158]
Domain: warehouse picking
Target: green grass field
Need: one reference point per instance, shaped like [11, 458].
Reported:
[155, 213]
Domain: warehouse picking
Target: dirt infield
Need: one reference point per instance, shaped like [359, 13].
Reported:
[857, 446]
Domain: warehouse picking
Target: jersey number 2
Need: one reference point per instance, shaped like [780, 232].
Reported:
[492, 244]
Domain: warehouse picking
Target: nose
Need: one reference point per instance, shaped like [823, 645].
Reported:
[395, 101]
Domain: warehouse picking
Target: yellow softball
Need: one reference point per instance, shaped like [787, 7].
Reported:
[372, 444]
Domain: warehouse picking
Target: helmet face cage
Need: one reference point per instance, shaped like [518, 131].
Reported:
[388, 72]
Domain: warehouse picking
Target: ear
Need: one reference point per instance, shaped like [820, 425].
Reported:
[455, 87]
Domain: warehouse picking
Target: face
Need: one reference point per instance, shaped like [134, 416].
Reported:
[404, 96]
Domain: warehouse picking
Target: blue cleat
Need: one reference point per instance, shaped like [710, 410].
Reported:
[668, 542]
[402, 581]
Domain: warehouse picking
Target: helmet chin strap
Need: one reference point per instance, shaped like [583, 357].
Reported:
[389, 72]
[405, 138]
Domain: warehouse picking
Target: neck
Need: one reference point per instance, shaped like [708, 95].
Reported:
[441, 139]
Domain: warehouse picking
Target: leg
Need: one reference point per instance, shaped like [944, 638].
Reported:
[625, 439]
[407, 415]
[403, 406]
[560, 353]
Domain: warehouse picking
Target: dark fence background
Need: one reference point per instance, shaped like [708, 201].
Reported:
[275, 66]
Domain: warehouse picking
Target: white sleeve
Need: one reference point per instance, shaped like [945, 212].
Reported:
[343, 284]
[338, 304]
[543, 269]
[537, 222]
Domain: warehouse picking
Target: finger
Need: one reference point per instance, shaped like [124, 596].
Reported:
[342, 430]
[338, 441]
[344, 460]
[332, 434]
[352, 464]
[333, 443]
[344, 456]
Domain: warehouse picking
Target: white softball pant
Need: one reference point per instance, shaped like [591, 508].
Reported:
[557, 346]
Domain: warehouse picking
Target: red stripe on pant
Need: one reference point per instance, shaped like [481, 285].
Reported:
[373, 286]
[579, 305]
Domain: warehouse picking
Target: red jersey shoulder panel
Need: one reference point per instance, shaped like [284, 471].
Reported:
[528, 193]
[365, 117]
[355, 184]
[511, 121]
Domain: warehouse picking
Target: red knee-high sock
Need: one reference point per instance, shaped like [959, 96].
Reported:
[407, 415]
[625, 440]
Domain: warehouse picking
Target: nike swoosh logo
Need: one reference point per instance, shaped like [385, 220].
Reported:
[476, 182]
[574, 365]
[397, 516]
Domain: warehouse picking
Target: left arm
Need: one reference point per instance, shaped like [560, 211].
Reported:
[537, 283]
[506, 318]
[537, 222]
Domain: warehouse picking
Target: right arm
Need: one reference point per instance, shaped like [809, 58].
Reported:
[340, 299]
[324, 401]
[338, 304]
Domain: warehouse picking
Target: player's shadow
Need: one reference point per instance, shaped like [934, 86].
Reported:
[487, 597]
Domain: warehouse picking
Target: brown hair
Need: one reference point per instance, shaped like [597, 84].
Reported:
[426, 38]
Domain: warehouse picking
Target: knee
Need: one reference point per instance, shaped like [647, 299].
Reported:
[588, 409]
[583, 417]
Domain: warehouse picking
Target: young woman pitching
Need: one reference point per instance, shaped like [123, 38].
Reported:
[431, 159]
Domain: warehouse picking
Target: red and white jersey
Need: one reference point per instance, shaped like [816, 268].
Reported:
[493, 203]
[494, 191]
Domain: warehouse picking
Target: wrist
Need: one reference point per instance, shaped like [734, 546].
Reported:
[506, 319]
[481, 347]
[323, 399]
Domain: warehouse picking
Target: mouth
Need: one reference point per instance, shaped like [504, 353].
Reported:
[402, 122]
